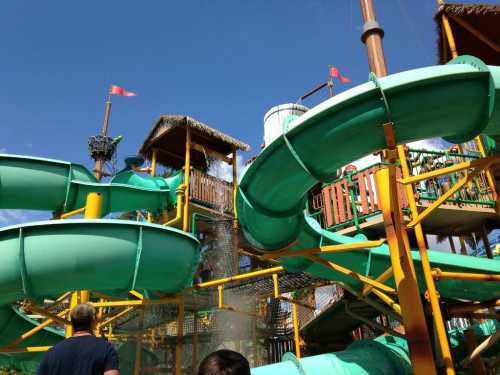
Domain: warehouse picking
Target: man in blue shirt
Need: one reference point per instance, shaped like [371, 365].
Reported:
[82, 353]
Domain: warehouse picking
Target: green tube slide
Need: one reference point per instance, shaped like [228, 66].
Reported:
[54, 185]
[455, 101]
[386, 355]
[45, 259]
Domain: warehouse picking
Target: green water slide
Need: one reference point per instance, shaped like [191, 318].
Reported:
[456, 101]
[45, 259]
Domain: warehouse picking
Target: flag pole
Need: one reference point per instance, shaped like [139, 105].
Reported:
[99, 163]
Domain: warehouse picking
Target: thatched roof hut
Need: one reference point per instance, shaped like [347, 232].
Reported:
[168, 137]
[475, 29]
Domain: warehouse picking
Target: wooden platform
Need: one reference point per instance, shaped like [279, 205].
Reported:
[446, 220]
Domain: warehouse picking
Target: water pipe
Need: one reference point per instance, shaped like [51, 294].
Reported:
[179, 209]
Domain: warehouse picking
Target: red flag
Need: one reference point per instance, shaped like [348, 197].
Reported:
[334, 73]
[117, 90]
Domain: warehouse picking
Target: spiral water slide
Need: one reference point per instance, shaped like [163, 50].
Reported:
[456, 101]
[45, 259]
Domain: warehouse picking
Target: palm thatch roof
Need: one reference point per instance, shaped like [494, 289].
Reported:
[475, 29]
[168, 136]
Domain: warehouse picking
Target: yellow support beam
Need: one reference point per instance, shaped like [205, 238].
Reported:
[296, 328]
[32, 331]
[243, 276]
[438, 274]
[117, 316]
[489, 174]
[474, 164]
[325, 249]
[72, 213]
[442, 336]
[350, 273]
[73, 302]
[28, 349]
[412, 309]
[161, 301]
[187, 172]
[443, 198]
[384, 276]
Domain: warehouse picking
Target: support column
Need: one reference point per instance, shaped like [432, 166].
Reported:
[404, 274]
[296, 335]
[179, 350]
[153, 174]
[235, 187]
[452, 245]
[486, 241]
[432, 292]
[187, 172]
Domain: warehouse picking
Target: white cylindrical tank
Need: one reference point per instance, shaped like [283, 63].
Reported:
[279, 119]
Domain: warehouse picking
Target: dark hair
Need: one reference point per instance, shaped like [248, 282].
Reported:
[82, 317]
[224, 362]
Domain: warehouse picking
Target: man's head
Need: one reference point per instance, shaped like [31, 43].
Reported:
[83, 317]
[224, 362]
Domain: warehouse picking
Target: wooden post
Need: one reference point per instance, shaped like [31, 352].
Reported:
[372, 36]
[486, 241]
[463, 247]
[452, 245]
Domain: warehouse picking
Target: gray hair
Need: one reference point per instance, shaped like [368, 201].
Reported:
[82, 317]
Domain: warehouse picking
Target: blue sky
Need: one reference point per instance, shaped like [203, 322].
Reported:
[222, 62]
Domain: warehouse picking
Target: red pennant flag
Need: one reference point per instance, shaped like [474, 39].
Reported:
[334, 73]
[117, 90]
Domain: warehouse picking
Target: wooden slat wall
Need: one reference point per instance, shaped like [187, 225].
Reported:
[214, 192]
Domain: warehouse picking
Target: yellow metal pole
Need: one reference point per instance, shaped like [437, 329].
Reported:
[234, 164]
[187, 172]
[404, 274]
[276, 285]
[438, 274]
[93, 206]
[296, 336]
[152, 173]
[448, 32]
[489, 174]
[426, 268]
[72, 304]
[138, 344]
[220, 296]
[180, 340]
[243, 276]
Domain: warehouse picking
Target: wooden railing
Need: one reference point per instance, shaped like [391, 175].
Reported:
[352, 199]
[211, 192]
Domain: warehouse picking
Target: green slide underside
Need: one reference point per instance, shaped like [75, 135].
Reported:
[455, 101]
[45, 259]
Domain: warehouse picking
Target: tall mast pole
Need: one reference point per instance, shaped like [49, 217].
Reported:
[99, 163]
[372, 36]
[412, 309]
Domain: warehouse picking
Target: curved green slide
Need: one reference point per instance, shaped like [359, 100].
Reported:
[45, 259]
[455, 101]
